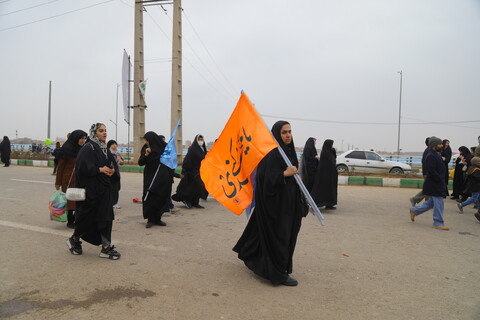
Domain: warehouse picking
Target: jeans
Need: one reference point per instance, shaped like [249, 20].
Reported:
[473, 199]
[433, 202]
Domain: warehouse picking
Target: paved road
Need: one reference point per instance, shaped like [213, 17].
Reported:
[368, 262]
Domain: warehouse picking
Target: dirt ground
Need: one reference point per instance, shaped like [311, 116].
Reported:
[369, 262]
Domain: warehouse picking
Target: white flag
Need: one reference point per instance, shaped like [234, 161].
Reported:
[143, 87]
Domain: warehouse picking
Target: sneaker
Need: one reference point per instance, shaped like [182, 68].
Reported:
[116, 206]
[441, 227]
[412, 215]
[149, 225]
[187, 204]
[110, 253]
[459, 205]
[412, 202]
[75, 247]
[173, 210]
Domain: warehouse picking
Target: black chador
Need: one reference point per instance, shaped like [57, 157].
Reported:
[94, 216]
[191, 188]
[160, 190]
[309, 164]
[324, 191]
[268, 242]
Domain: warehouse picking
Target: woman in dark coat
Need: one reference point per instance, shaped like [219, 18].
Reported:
[5, 151]
[309, 163]
[191, 188]
[96, 169]
[157, 180]
[446, 157]
[324, 191]
[67, 157]
[268, 242]
[459, 173]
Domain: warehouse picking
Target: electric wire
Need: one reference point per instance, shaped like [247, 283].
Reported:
[201, 61]
[372, 123]
[38, 5]
[208, 51]
[55, 16]
[188, 60]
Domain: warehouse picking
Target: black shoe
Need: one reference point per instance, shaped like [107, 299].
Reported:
[477, 215]
[187, 204]
[198, 206]
[71, 225]
[161, 223]
[330, 208]
[149, 224]
[75, 247]
[110, 253]
[290, 282]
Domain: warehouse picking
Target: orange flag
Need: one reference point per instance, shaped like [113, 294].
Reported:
[226, 169]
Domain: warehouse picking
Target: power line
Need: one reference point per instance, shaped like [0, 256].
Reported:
[208, 51]
[201, 61]
[55, 16]
[371, 123]
[38, 5]
[186, 59]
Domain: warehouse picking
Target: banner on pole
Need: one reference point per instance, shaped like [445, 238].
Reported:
[126, 86]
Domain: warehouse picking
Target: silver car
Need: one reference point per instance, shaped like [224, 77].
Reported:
[369, 162]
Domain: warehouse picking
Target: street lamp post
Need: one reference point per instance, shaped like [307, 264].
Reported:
[399, 113]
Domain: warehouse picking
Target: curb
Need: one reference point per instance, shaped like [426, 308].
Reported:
[384, 182]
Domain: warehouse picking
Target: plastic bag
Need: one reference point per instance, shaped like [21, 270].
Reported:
[57, 206]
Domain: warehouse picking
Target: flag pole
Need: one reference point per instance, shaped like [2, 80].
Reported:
[313, 206]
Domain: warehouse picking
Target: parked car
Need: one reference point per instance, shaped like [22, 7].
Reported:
[369, 162]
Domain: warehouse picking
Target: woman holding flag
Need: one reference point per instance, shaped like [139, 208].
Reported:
[157, 180]
[268, 242]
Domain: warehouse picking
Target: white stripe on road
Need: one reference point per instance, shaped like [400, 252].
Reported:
[67, 234]
[33, 181]
[34, 228]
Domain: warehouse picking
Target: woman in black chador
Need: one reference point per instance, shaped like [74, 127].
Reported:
[95, 170]
[5, 151]
[446, 157]
[309, 163]
[157, 184]
[267, 244]
[324, 190]
[191, 188]
[460, 173]
[66, 159]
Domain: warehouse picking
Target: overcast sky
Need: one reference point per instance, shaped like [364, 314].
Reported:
[329, 67]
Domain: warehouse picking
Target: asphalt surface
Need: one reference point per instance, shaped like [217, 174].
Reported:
[369, 261]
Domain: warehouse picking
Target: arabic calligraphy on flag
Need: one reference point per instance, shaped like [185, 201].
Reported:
[243, 143]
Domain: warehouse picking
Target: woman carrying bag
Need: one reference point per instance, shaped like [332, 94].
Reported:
[95, 171]
[67, 157]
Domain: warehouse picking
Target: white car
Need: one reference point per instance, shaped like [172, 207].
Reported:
[368, 162]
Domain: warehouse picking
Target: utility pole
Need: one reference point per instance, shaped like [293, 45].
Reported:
[49, 108]
[399, 113]
[138, 76]
[176, 107]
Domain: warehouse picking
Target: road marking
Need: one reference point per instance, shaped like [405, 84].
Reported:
[34, 228]
[13, 199]
[67, 234]
[34, 181]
